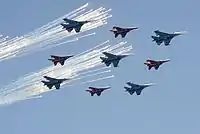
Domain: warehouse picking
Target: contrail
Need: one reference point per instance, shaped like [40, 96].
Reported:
[52, 34]
[82, 66]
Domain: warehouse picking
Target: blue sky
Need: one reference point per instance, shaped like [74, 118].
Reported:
[169, 107]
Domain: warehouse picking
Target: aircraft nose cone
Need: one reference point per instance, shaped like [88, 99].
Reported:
[126, 55]
[151, 84]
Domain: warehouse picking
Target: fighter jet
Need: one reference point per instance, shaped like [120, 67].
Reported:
[164, 37]
[121, 31]
[59, 59]
[111, 58]
[154, 63]
[97, 90]
[72, 24]
[136, 88]
[53, 82]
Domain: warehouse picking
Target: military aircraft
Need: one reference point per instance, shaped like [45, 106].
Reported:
[164, 37]
[72, 24]
[121, 31]
[59, 59]
[111, 58]
[53, 82]
[136, 88]
[154, 63]
[97, 90]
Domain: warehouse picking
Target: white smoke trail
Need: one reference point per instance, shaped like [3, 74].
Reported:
[76, 68]
[52, 34]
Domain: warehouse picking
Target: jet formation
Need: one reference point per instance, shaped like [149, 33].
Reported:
[110, 58]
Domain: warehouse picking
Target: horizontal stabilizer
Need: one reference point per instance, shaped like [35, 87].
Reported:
[103, 59]
[127, 89]
[44, 82]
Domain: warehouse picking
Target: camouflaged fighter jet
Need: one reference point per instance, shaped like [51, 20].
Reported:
[53, 82]
[136, 88]
[72, 24]
[112, 58]
[165, 37]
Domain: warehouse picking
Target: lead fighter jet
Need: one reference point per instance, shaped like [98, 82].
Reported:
[97, 90]
[164, 37]
[136, 88]
[111, 58]
[121, 31]
[72, 24]
[59, 59]
[155, 64]
[53, 82]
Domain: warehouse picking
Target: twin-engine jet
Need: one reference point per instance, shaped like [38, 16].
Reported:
[155, 64]
[121, 31]
[59, 59]
[53, 82]
[72, 24]
[136, 88]
[112, 58]
[97, 90]
[164, 37]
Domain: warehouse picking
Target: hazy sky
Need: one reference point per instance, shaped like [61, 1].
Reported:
[169, 107]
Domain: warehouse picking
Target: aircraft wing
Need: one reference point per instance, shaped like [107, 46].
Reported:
[138, 92]
[70, 21]
[49, 78]
[62, 62]
[55, 63]
[98, 93]
[50, 86]
[123, 34]
[161, 33]
[156, 67]
[115, 63]
[57, 86]
[131, 92]
[159, 42]
[109, 55]
[167, 42]
[78, 29]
